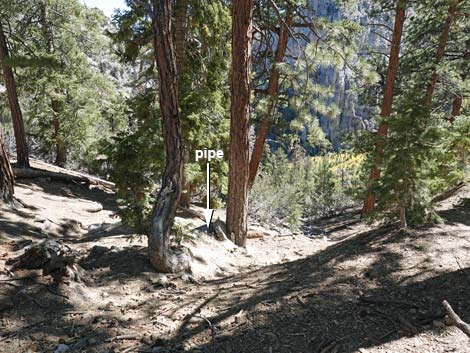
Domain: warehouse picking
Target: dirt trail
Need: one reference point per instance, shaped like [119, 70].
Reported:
[354, 289]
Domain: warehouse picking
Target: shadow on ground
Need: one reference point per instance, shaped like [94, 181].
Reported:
[326, 300]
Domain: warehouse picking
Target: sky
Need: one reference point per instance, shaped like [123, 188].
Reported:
[107, 6]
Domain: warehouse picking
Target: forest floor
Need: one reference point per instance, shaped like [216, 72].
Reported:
[353, 288]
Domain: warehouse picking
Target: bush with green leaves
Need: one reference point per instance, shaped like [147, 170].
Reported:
[290, 192]
[135, 161]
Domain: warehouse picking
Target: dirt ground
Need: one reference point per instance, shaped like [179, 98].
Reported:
[350, 289]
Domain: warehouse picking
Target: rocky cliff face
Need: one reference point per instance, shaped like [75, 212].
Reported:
[353, 116]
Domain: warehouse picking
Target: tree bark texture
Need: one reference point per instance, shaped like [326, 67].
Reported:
[239, 154]
[168, 197]
[452, 13]
[387, 101]
[272, 91]
[15, 109]
[180, 32]
[6, 176]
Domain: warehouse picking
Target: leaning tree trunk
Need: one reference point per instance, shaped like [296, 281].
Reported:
[164, 210]
[273, 90]
[386, 108]
[239, 156]
[6, 176]
[16, 115]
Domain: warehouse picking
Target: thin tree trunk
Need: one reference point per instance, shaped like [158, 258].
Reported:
[456, 108]
[273, 91]
[16, 115]
[403, 224]
[56, 106]
[452, 13]
[60, 146]
[458, 100]
[387, 101]
[239, 156]
[6, 176]
[163, 215]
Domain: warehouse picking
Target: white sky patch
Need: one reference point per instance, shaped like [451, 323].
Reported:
[107, 6]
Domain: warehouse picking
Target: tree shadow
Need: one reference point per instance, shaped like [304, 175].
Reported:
[459, 214]
[305, 305]
[73, 191]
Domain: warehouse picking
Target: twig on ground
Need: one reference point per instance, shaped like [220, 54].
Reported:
[129, 336]
[56, 293]
[129, 349]
[455, 320]
[211, 326]
[369, 300]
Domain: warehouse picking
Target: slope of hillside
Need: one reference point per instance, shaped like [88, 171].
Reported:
[355, 290]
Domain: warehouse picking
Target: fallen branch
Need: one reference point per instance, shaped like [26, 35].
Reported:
[448, 193]
[455, 320]
[32, 173]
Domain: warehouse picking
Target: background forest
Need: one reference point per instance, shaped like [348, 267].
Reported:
[332, 217]
[82, 91]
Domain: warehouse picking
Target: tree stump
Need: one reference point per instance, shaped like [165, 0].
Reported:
[54, 258]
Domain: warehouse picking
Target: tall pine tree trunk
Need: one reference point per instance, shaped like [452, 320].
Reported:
[164, 210]
[240, 85]
[452, 13]
[56, 106]
[16, 115]
[60, 146]
[273, 91]
[6, 176]
[387, 102]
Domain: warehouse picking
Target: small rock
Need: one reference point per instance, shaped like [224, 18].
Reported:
[147, 339]
[28, 191]
[39, 219]
[158, 349]
[98, 250]
[61, 348]
[93, 207]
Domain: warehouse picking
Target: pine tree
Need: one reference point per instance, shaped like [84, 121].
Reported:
[386, 108]
[15, 109]
[237, 203]
[419, 158]
[168, 197]
[203, 101]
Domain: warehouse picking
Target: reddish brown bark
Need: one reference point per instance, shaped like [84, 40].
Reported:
[6, 176]
[272, 91]
[387, 101]
[452, 13]
[239, 158]
[456, 108]
[16, 115]
[163, 215]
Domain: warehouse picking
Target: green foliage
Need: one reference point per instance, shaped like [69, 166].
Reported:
[203, 99]
[66, 73]
[423, 152]
[135, 161]
[306, 189]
